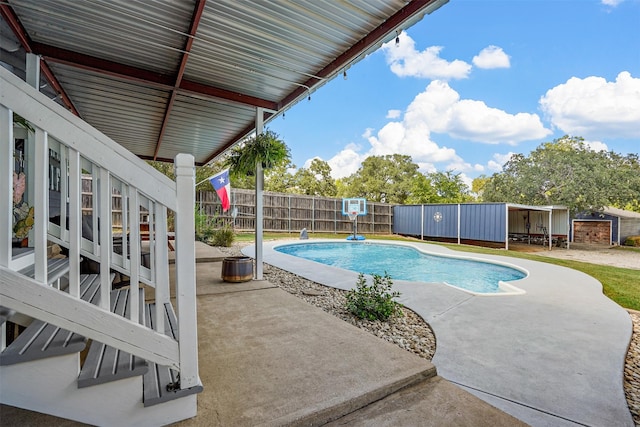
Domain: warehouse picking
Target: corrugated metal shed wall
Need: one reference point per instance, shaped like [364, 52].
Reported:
[441, 221]
[483, 221]
[406, 218]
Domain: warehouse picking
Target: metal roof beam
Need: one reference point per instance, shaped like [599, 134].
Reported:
[401, 18]
[20, 32]
[127, 72]
[193, 27]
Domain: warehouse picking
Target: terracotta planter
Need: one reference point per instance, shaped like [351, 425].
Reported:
[237, 269]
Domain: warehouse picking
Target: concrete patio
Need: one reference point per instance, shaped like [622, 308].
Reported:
[268, 358]
[553, 356]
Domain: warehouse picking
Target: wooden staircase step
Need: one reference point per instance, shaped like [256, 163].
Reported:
[41, 340]
[161, 383]
[105, 363]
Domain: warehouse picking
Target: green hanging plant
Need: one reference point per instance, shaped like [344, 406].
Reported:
[265, 148]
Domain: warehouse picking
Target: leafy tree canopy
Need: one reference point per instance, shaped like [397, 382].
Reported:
[567, 172]
[386, 178]
[315, 180]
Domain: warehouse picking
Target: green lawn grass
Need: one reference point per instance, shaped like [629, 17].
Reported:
[622, 285]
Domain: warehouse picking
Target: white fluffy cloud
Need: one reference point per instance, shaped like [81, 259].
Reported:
[597, 145]
[406, 61]
[346, 162]
[393, 114]
[440, 108]
[492, 57]
[612, 3]
[593, 107]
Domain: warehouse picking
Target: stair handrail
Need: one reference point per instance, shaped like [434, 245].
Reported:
[52, 120]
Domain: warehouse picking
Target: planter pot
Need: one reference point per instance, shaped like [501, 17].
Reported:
[237, 269]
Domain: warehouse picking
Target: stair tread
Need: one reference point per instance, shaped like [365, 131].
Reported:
[156, 380]
[56, 268]
[40, 339]
[105, 363]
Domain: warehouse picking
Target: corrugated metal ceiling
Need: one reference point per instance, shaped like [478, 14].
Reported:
[163, 77]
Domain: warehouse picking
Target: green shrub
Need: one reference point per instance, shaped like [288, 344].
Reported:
[632, 241]
[223, 236]
[374, 301]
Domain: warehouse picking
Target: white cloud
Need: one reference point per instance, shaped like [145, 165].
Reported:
[597, 145]
[498, 161]
[440, 108]
[346, 162]
[492, 57]
[393, 114]
[612, 3]
[406, 61]
[592, 107]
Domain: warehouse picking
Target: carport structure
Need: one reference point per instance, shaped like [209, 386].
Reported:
[195, 76]
[484, 222]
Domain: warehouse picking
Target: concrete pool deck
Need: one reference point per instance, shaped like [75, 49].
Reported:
[552, 356]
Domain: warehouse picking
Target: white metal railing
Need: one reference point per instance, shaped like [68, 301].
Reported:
[59, 150]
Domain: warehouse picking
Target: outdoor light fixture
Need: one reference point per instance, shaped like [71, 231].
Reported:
[344, 75]
[398, 37]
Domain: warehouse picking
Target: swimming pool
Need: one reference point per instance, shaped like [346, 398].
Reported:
[408, 263]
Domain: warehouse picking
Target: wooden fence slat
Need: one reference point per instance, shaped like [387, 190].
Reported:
[293, 212]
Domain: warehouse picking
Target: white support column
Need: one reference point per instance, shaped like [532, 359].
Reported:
[459, 222]
[506, 225]
[421, 222]
[550, 232]
[75, 222]
[32, 76]
[186, 270]
[41, 204]
[106, 242]
[259, 200]
[134, 254]
[6, 184]
[162, 265]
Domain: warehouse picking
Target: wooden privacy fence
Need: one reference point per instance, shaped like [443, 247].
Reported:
[293, 212]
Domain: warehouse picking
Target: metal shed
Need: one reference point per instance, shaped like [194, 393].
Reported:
[611, 226]
[484, 222]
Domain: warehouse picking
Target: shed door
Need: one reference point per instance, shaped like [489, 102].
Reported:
[592, 232]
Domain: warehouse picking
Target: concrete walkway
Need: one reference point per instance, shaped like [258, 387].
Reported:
[551, 357]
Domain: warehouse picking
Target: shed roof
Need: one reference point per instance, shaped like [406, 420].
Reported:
[621, 213]
[164, 77]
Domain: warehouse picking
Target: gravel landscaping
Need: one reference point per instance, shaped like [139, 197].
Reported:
[412, 333]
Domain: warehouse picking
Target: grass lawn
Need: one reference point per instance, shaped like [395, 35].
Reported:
[622, 285]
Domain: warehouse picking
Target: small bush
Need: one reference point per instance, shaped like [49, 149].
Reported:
[632, 241]
[223, 236]
[375, 301]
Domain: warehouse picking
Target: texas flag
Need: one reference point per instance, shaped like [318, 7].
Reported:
[223, 187]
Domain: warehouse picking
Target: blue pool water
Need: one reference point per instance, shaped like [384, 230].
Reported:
[406, 263]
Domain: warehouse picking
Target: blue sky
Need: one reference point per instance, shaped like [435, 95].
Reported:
[477, 81]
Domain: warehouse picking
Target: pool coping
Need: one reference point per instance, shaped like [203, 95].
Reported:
[554, 355]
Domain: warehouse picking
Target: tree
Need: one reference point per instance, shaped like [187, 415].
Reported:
[278, 178]
[386, 178]
[477, 186]
[567, 172]
[316, 180]
[449, 187]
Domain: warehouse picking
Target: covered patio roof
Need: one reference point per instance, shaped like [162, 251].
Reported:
[167, 77]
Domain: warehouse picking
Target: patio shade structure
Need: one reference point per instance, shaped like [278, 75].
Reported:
[162, 78]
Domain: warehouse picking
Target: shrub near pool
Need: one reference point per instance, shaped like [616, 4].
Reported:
[375, 301]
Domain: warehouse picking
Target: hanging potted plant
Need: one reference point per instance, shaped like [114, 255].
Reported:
[263, 151]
